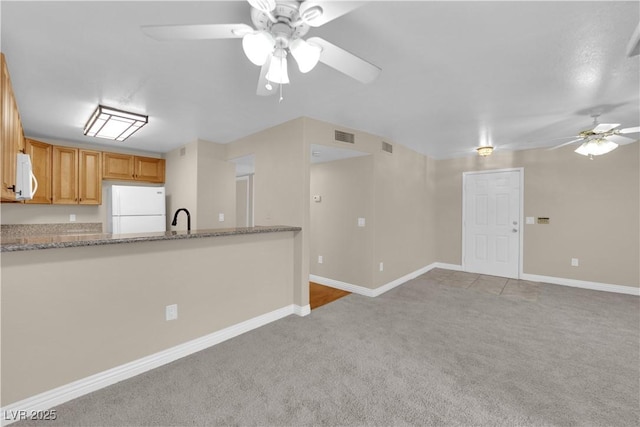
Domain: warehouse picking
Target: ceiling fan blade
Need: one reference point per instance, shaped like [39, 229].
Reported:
[264, 84]
[345, 62]
[566, 143]
[620, 140]
[630, 130]
[196, 32]
[330, 10]
[604, 127]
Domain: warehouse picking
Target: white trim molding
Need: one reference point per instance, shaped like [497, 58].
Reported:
[368, 292]
[302, 310]
[596, 286]
[49, 399]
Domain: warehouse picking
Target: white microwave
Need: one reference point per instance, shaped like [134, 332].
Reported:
[26, 182]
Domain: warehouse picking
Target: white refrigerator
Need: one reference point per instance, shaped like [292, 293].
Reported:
[136, 209]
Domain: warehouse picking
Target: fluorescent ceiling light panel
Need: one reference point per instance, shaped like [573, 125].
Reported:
[113, 124]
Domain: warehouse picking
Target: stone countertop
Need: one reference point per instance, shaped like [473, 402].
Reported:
[52, 241]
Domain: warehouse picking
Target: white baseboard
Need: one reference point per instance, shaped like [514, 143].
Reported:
[454, 267]
[62, 394]
[596, 286]
[356, 289]
[302, 310]
[368, 292]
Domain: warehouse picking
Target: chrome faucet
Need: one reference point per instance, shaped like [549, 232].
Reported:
[175, 218]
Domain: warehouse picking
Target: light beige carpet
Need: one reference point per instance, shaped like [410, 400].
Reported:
[425, 353]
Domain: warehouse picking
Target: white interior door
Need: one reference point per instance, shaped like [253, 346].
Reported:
[491, 222]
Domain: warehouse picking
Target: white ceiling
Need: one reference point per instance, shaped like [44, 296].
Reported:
[517, 74]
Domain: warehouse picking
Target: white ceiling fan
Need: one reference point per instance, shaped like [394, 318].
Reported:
[602, 139]
[279, 30]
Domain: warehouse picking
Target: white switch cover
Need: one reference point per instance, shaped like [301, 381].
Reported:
[221, 217]
[171, 312]
[531, 220]
[381, 266]
[361, 222]
[575, 262]
[72, 218]
[320, 259]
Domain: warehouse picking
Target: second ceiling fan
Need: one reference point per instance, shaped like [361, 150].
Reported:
[279, 30]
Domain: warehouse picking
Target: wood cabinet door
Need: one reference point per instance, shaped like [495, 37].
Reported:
[64, 168]
[40, 154]
[90, 177]
[149, 169]
[9, 143]
[117, 166]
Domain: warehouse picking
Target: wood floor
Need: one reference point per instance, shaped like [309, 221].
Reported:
[320, 295]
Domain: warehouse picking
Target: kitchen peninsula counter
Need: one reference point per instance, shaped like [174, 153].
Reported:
[69, 240]
[97, 309]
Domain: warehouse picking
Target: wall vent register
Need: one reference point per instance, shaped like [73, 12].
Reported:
[345, 137]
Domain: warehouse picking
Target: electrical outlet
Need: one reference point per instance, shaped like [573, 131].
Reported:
[575, 262]
[361, 222]
[320, 259]
[72, 218]
[221, 217]
[171, 312]
[381, 266]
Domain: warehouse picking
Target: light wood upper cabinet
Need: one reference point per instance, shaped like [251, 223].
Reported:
[11, 134]
[40, 154]
[132, 168]
[149, 169]
[117, 166]
[64, 181]
[90, 177]
[77, 176]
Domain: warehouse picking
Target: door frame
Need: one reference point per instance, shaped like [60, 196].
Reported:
[521, 222]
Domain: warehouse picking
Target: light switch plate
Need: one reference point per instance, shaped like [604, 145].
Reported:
[72, 218]
[320, 260]
[361, 222]
[531, 220]
[171, 312]
[221, 217]
[575, 262]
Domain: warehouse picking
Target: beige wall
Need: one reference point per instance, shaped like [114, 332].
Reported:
[70, 313]
[400, 225]
[346, 191]
[182, 185]
[281, 187]
[216, 187]
[202, 181]
[593, 206]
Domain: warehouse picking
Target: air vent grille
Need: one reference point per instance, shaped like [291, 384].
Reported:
[345, 137]
[387, 147]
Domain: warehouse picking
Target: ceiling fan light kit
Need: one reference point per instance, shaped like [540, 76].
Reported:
[603, 138]
[278, 67]
[485, 151]
[596, 147]
[278, 29]
[258, 46]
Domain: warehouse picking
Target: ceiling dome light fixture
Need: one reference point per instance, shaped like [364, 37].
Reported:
[596, 147]
[485, 151]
